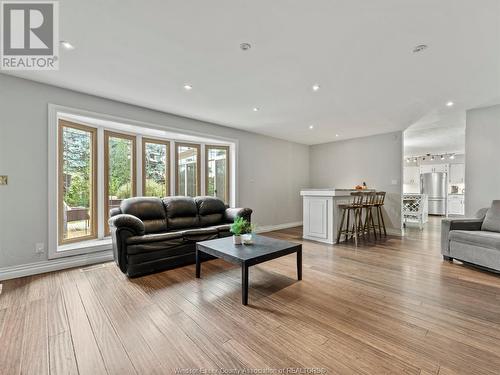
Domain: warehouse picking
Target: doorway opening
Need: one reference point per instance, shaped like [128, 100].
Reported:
[433, 171]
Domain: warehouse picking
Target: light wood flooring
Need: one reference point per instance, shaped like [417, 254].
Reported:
[390, 307]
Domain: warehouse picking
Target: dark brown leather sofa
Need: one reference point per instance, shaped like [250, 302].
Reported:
[153, 234]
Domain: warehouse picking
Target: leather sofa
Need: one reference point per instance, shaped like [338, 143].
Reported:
[152, 234]
[475, 241]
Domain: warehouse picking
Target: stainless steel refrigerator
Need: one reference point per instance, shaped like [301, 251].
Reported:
[435, 185]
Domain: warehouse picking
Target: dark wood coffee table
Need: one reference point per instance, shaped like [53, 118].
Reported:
[262, 250]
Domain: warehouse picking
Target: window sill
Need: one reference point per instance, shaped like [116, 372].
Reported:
[83, 247]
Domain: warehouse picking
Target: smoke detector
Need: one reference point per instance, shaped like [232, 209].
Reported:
[245, 46]
[419, 48]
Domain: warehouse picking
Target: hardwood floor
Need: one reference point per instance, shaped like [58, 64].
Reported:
[386, 307]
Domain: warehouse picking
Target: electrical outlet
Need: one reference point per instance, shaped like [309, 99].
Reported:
[3, 180]
[39, 248]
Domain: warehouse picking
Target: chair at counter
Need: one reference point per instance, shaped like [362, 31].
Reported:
[367, 201]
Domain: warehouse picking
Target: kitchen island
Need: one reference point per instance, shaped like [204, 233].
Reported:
[321, 214]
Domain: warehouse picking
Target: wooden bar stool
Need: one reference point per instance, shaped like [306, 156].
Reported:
[379, 203]
[355, 207]
[369, 204]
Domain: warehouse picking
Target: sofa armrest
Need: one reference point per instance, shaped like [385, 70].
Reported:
[130, 222]
[481, 213]
[115, 211]
[233, 213]
[448, 225]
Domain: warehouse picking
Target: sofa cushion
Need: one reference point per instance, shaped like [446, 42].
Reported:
[182, 212]
[211, 219]
[223, 228]
[149, 209]
[209, 205]
[169, 255]
[210, 210]
[154, 237]
[492, 219]
[490, 240]
[149, 247]
[200, 234]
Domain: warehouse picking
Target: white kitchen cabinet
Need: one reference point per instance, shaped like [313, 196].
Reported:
[433, 168]
[322, 213]
[426, 169]
[316, 216]
[411, 175]
[441, 168]
[456, 205]
[457, 173]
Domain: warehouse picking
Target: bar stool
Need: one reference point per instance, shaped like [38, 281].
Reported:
[355, 207]
[379, 203]
[369, 204]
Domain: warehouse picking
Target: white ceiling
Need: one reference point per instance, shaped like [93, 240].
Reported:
[360, 52]
[436, 134]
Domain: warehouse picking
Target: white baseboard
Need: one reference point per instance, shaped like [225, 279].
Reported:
[54, 265]
[270, 228]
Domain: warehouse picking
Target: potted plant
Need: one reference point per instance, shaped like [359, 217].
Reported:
[247, 234]
[237, 229]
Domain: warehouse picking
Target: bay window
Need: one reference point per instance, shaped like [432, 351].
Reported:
[119, 170]
[187, 164]
[217, 171]
[77, 196]
[155, 168]
[97, 163]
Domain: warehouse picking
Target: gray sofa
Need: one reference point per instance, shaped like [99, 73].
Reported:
[475, 241]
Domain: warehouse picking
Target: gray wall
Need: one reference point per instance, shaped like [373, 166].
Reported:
[271, 171]
[376, 160]
[482, 158]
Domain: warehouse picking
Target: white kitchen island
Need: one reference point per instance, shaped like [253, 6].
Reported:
[321, 215]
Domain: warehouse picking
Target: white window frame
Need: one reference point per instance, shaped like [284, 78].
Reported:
[139, 129]
[199, 183]
[228, 171]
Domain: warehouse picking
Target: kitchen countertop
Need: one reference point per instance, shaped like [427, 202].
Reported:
[330, 192]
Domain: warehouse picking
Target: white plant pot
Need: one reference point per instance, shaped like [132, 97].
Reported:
[247, 238]
[236, 240]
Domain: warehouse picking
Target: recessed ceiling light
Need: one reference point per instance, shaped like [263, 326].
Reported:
[67, 45]
[419, 48]
[336, 135]
[316, 87]
[311, 126]
[245, 46]
[450, 104]
[255, 109]
[188, 87]
[452, 157]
